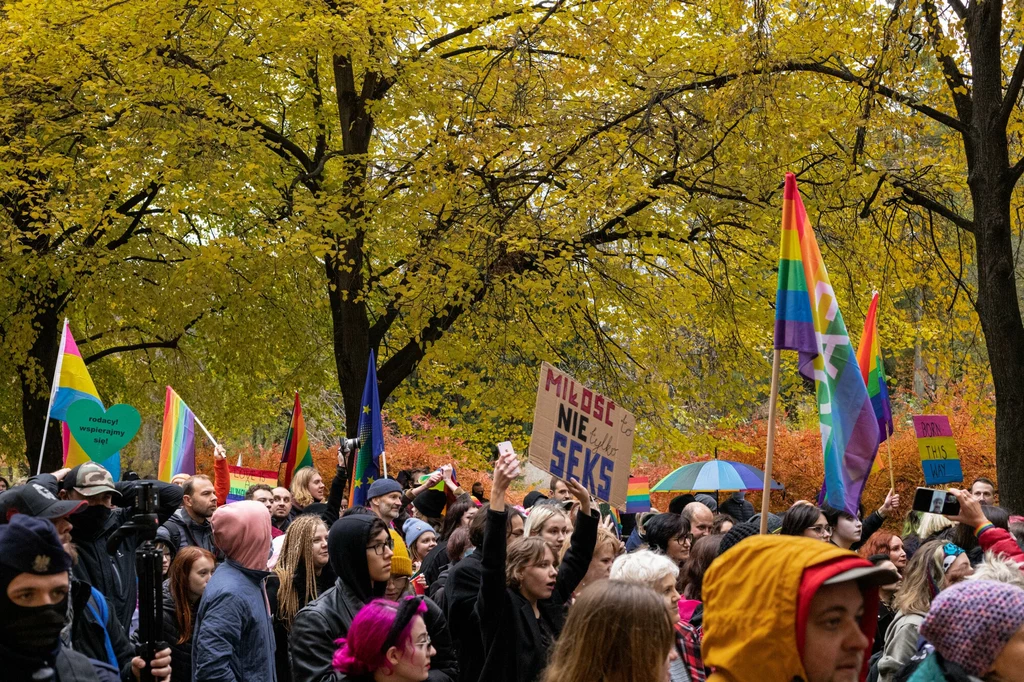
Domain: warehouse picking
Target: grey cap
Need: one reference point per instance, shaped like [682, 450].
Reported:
[383, 486]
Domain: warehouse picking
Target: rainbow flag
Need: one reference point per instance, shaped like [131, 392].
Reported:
[638, 495]
[72, 383]
[807, 320]
[869, 357]
[296, 453]
[371, 437]
[178, 443]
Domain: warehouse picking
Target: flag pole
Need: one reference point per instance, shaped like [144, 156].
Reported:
[53, 393]
[215, 443]
[770, 453]
[384, 461]
[888, 448]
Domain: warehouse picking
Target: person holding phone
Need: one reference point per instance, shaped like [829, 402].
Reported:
[522, 598]
[990, 537]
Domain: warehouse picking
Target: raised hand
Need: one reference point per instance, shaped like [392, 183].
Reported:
[577, 490]
[219, 452]
[970, 509]
[506, 469]
[891, 505]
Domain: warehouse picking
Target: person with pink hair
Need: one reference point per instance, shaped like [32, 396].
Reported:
[387, 642]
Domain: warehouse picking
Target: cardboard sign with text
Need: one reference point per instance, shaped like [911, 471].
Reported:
[582, 434]
[243, 477]
[935, 444]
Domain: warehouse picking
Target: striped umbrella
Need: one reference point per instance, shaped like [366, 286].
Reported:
[718, 474]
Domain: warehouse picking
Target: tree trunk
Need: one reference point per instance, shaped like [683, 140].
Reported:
[991, 185]
[36, 376]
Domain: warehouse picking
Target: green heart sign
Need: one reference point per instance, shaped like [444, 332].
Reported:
[101, 432]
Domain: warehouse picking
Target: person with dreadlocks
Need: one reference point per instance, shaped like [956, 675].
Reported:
[301, 575]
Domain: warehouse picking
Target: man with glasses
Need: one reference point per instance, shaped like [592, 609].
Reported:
[361, 551]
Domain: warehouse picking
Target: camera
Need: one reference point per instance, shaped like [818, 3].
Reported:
[349, 445]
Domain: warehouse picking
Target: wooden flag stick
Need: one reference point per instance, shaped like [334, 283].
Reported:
[215, 443]
[888, 449]
[770, 453]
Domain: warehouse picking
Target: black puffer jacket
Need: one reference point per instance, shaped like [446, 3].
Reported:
[329, 617]
[181, 654]
[113, 574]
[461, 592]
[514, 648]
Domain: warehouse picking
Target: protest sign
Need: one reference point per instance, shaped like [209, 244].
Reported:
[582, 434]
[939, 459]
[101, 432]
[243, 477]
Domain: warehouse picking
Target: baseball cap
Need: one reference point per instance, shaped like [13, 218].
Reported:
[90, 479]
[36, 500]
[533, 497]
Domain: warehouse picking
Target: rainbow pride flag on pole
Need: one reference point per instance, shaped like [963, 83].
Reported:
[178, 443]
[72, 383]
[371, 437]
[296, 453]
[807, 320]
[869, 357]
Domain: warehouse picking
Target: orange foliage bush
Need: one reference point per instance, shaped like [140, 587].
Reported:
[797, 462]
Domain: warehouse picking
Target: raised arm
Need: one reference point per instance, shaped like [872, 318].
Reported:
[491, 599]
[576, 562]
[221, 475]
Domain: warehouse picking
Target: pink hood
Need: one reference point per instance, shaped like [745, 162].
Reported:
[242, 531]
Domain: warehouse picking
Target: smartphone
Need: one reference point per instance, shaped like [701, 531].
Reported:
[936, 502]
[505, 447]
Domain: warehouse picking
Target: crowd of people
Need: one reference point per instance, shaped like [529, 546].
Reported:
[430, 582]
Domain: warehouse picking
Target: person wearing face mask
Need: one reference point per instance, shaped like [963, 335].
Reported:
[302, 573]
[186, 582]
[34, 595]
[91, 627]
[234, 635]
[360, 549]
[111, 574]
[521, 603]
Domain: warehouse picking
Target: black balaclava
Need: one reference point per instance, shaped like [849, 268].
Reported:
[346, 545]
[30, 636]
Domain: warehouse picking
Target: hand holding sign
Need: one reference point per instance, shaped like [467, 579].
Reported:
[101, 432]
[581, 494]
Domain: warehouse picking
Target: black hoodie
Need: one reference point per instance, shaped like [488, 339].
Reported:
[328, 617]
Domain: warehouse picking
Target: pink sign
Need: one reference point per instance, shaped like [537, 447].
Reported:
[932, 426]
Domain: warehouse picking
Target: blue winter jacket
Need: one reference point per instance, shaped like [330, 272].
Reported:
[234, 633]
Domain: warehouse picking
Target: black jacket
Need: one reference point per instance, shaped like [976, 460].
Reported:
[329, 617]
[182, 531]
[181, 654]
[87, 630]
[324, 582]
[513, 648]
[460, 594]
[114, 575]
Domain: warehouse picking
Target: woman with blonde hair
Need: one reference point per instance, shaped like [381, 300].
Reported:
[607, 548]
[934, 567]
[551, 523]
[307, 488]
[302, 573]
[616, 632]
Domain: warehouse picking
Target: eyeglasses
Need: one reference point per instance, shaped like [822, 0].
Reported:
[423, 645]
[821, 531]
[378, 548]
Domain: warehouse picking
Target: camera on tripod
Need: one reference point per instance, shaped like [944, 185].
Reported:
[149, 570]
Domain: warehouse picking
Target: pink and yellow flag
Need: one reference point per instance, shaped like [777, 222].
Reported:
[74, 383]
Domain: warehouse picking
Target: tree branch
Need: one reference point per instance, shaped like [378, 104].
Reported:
[916, 198]
[1012, 90]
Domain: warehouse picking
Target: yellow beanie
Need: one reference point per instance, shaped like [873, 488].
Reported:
[401, 564]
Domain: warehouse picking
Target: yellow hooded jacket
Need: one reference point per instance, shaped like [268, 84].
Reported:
[750, 607]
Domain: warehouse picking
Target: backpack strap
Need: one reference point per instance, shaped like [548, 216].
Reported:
[97, 606]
